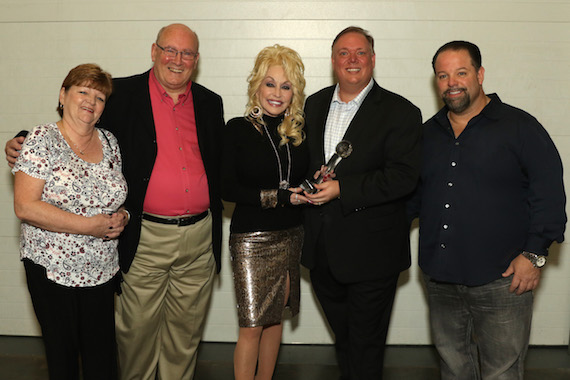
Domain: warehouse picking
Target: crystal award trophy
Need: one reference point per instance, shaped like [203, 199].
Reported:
[343, 150]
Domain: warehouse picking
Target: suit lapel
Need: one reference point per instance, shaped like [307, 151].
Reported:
[368, 108]
[143, 105]
[200, 112]
[322, 112]
[202, 109]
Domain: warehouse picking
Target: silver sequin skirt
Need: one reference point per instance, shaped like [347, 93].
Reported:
[261, 262]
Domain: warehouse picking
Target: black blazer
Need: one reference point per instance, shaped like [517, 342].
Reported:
[366, 233]
[128, 114]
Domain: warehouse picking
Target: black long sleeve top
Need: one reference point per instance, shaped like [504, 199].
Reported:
[249, 165]
[487, 195]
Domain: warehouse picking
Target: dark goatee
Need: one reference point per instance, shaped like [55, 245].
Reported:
[457, 105]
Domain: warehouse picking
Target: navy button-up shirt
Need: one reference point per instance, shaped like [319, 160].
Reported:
[487, 195]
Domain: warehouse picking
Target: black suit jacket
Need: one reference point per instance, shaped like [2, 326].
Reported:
[366, 232]
[128, 114]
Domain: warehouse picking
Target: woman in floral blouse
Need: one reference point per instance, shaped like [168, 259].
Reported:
[68, 192]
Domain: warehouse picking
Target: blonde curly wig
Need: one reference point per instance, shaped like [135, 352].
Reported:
[292, 126]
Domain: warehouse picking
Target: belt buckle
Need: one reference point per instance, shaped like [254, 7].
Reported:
[186, 221]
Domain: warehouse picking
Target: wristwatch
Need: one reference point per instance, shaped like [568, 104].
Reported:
[537, 260]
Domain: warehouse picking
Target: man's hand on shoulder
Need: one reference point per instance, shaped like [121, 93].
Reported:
[12, 149]
[525, 276]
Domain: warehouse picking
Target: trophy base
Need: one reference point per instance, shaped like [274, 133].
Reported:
[308, 187]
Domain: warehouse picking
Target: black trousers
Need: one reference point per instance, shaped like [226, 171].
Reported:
[359, 315]
[77, 324]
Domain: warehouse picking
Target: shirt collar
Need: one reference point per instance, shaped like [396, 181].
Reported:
[162, 91]
[491, 111]
[358, 99]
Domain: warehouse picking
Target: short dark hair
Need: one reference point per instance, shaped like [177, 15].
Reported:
[471, 48]
[88, 75]
[355, 29]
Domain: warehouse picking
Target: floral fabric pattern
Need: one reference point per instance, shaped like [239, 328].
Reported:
[78, 187]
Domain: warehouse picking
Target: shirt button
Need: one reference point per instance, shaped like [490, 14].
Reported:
[456, 143]
[450, 184]
[447, 205]
[445, 226]
[442, 246]
[183, 168]
[179, 148]
[453, 163]
[187, 190]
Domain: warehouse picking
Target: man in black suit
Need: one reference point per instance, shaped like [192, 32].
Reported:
[167, 127]
[356, 231]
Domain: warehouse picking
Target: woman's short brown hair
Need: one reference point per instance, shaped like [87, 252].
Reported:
[88, 75]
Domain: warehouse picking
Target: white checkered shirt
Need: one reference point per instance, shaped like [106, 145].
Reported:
[339, 118]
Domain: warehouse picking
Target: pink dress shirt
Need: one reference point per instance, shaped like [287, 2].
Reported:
[178, 184]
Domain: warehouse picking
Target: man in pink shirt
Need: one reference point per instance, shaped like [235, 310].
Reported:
[168, 131]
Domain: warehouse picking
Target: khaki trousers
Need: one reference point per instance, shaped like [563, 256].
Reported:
[165, 295]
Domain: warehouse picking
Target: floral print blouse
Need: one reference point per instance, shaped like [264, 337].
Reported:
[75, 186]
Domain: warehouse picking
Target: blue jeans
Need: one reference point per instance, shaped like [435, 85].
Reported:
[480, 332]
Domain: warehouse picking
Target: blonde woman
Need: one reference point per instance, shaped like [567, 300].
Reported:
[264, 159]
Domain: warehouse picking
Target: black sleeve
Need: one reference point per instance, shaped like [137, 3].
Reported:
[23, 133]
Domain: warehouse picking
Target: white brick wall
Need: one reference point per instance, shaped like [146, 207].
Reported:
[526, 53]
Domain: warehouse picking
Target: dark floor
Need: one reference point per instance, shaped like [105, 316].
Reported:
[21, 358]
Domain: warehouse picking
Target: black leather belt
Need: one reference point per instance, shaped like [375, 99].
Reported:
[181, 222]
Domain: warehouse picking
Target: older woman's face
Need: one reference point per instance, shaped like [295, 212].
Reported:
[275, 92]
[82, 105]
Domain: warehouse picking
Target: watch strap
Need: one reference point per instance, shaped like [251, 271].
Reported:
[537, 261]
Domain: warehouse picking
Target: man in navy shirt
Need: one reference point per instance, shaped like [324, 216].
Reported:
[490, 201]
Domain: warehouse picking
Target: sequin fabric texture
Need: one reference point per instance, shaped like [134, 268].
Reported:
[260, 263]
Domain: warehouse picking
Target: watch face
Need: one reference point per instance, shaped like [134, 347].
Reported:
[540, 261]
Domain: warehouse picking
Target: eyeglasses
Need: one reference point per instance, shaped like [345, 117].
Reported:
[173, 53]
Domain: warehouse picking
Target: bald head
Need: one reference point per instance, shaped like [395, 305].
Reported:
[178, 28]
